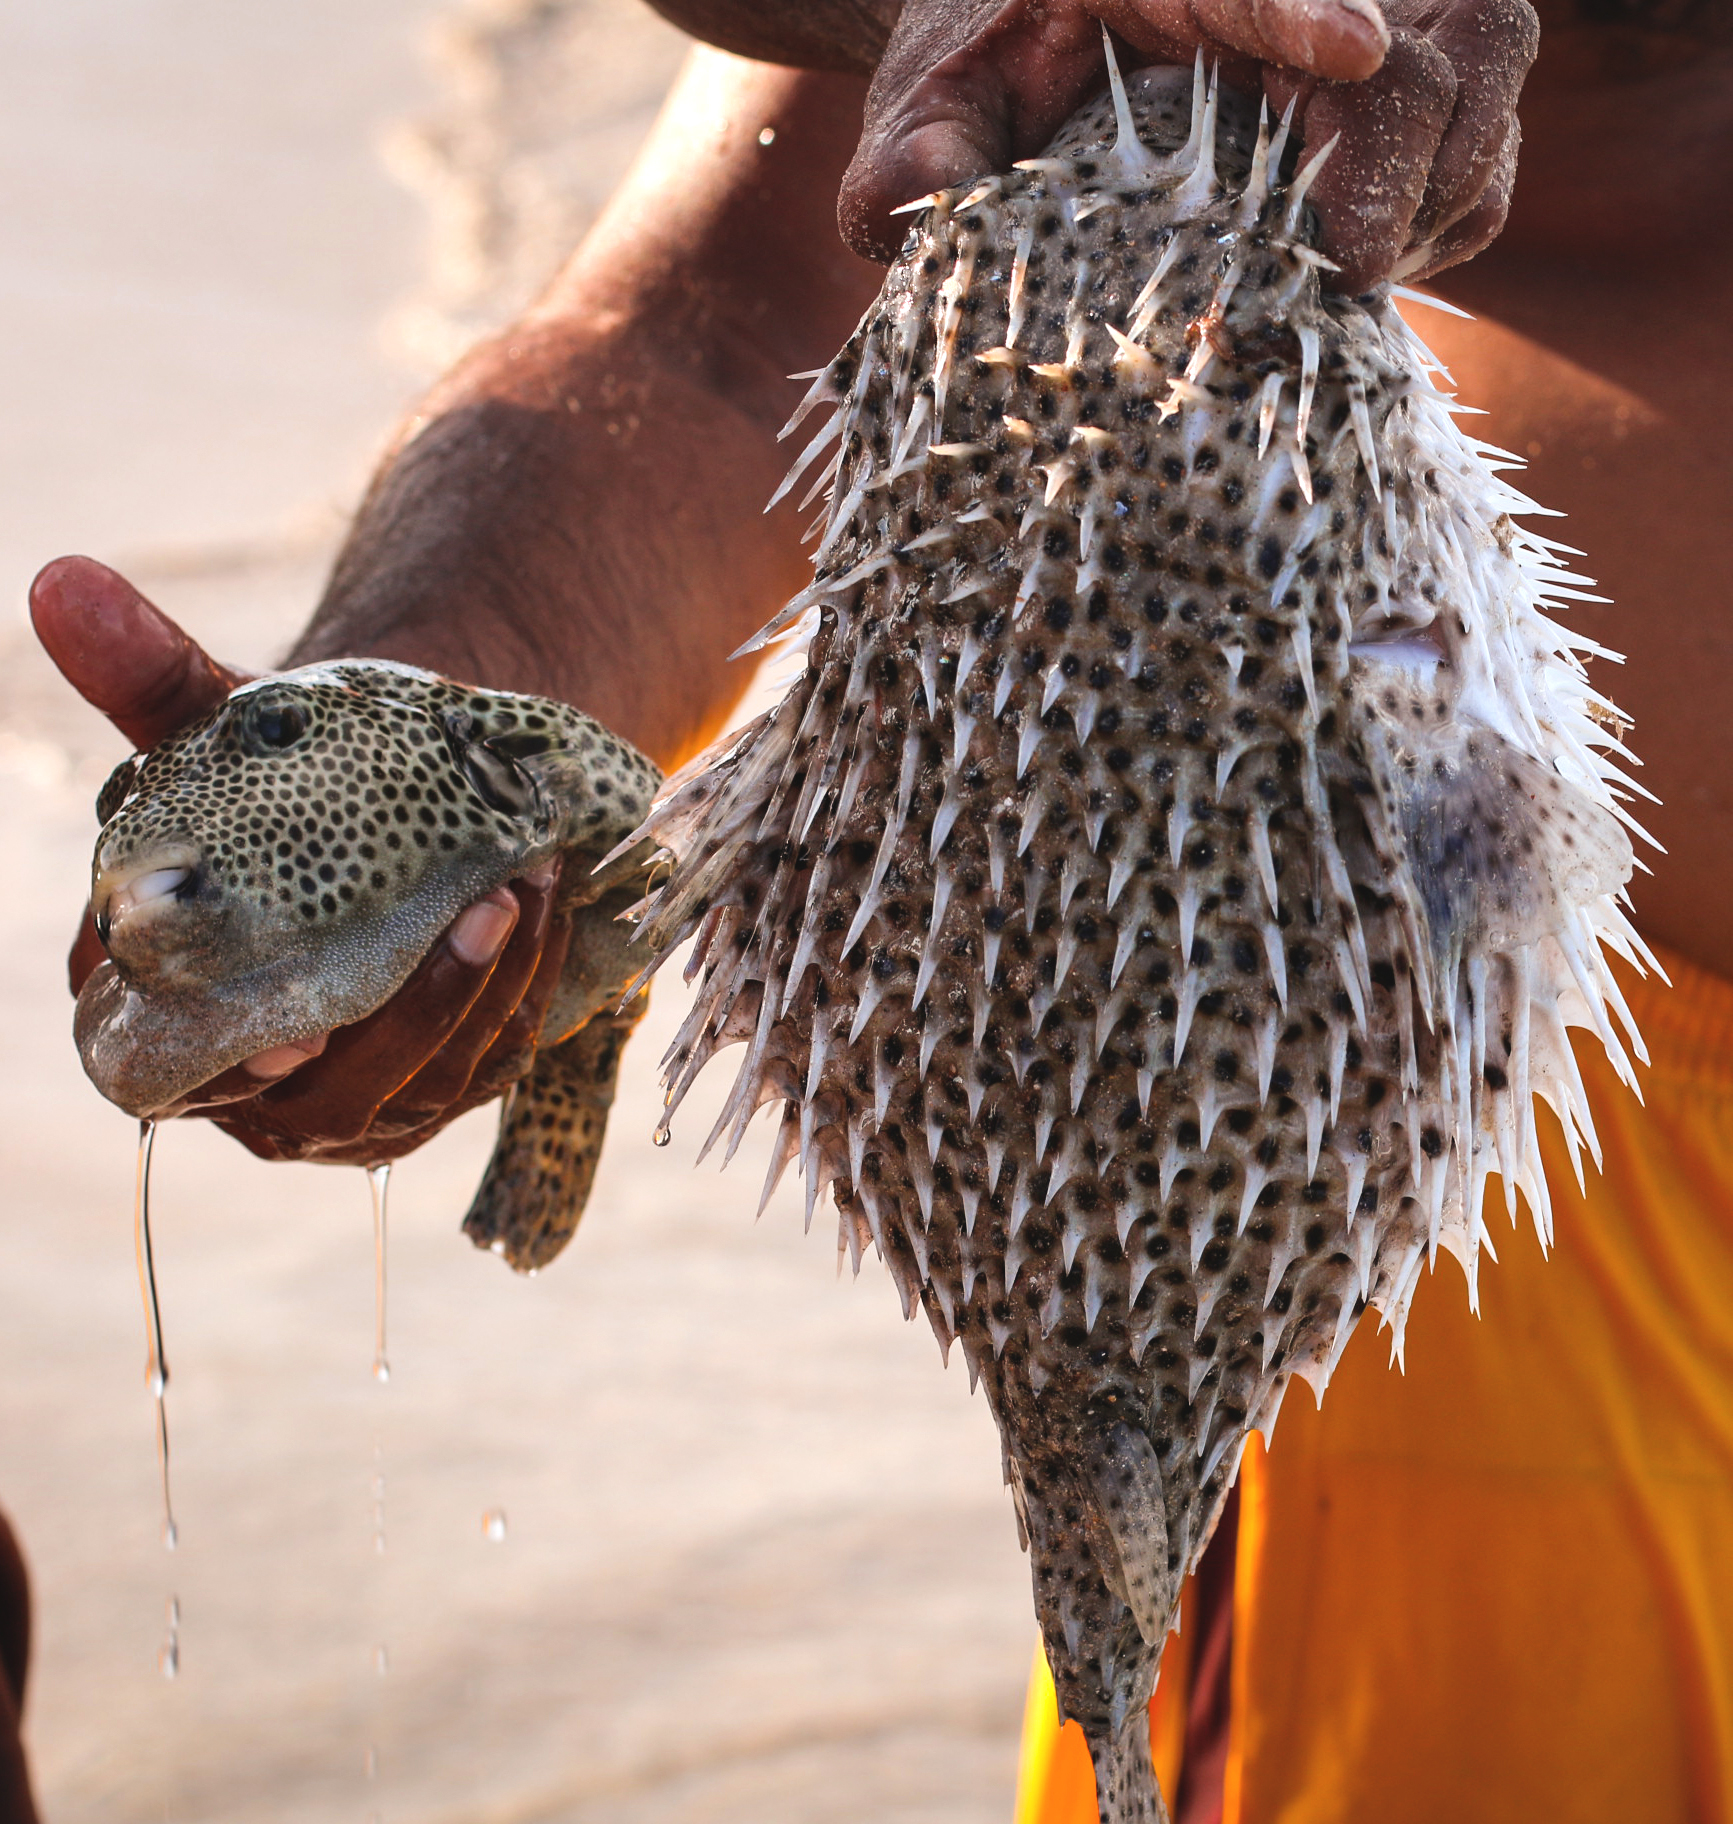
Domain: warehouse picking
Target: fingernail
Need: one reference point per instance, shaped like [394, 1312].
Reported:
[478, 935]
[543, 877]
[267, 1066]
[1368, 13]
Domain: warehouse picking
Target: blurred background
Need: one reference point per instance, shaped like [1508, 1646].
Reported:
[755, 1561]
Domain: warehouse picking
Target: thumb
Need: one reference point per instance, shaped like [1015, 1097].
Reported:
[965, 87]
[121, 654]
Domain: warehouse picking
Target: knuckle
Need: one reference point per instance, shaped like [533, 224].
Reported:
[1418, 75]
[1512, 26]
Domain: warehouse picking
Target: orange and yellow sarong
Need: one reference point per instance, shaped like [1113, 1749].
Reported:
[1499, 1588]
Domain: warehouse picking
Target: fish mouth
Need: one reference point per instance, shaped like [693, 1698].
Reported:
[130, 897]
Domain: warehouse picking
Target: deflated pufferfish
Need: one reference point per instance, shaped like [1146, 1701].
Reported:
[1162, 894]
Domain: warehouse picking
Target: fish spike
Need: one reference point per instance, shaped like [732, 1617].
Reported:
[934, 199]
[989, 186]
[1277, 956]
[1257, 190]
[1396, 291]
[831, 426]
[1279, 139]
[821, 392]
[1362, 421]
[1203, 185]
[1304, 178]
[786, 1145]
[1129, 152]
[1185, 159]
[1308, 338]
[1143, 305]
[1015, 297]
[1269, 404]
[1256, 1178]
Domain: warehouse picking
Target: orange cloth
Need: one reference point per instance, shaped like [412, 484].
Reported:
[1500, 1587]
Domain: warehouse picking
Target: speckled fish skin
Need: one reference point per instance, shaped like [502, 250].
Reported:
[280, 867]
[1159, 899]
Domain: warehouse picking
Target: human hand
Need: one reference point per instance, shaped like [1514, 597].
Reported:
[1422, 94]
[459, 1030]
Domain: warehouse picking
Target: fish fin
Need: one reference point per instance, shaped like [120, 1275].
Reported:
[550, 1139]
[1126, 1791]
[1125, 1479]
[1499, 846]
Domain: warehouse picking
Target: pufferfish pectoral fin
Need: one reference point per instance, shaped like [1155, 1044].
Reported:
[550, 1139]
[1500, 847]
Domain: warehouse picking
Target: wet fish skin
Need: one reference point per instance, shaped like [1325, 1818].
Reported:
[1159, 899]
[280, 868]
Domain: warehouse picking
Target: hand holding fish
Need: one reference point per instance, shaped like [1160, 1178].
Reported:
[377, 1089]
[1420, 94]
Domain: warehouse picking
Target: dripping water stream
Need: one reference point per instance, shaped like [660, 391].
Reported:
[378, 1185]
[156, 1367]
[379, 1182]
[156, 1378]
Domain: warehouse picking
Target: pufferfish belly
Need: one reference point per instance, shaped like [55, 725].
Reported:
[1159, 900]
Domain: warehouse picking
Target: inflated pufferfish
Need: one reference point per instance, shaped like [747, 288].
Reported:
[1159, 899]
[280, 867]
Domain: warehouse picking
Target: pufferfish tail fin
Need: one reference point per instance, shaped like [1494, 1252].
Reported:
[1125, 1787]
[550, 1138]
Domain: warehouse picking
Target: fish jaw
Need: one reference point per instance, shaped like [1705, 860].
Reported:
[147, 912]
[164, 1015]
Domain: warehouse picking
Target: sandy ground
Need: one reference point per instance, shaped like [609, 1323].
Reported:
[757, 1561]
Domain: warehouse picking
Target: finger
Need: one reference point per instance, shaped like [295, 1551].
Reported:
[1491, 46]
[1478, 229]
[121, 654]
[505, 1062]
[332, 1100]
[431, 1093]
[1344, 40]
[1387, 130]
[509, 1055]
[965, 87]
[251, 1076]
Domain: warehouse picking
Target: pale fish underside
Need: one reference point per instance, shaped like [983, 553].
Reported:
[1160, 899]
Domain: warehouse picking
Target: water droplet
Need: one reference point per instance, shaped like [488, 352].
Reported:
[493, 1526]
[168, 1658]
[661, 1137]
[767, 136]
[171, 1534]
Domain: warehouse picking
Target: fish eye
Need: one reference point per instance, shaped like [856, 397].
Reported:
[277, 725]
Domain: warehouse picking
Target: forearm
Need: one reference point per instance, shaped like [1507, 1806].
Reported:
[577, 509]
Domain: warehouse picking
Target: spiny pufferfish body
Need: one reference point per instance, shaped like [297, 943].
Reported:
[281, 866]
[1159, 899]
